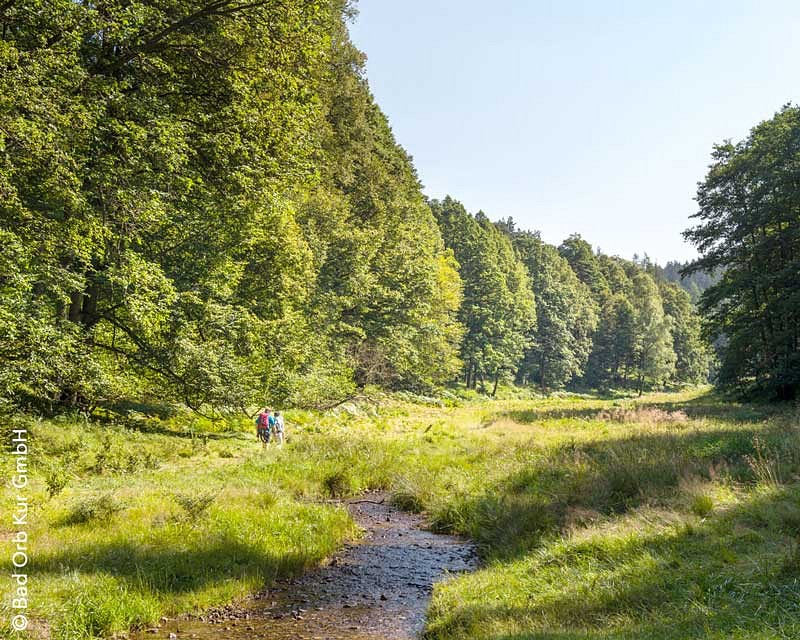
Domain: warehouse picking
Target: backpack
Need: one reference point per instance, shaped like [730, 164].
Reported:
[261, 421]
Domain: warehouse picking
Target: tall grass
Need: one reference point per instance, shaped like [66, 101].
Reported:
[672, 516]
[674, 519]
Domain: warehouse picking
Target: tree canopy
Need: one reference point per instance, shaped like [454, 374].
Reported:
[749, 230]
[498, 308]
[201, 202]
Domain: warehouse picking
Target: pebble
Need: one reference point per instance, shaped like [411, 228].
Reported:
[380, 569]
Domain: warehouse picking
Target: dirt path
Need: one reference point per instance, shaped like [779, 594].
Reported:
[378, 588]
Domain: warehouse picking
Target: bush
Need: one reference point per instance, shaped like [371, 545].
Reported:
[56, 478]
[338, 484]
[195, 505]
[97, 508]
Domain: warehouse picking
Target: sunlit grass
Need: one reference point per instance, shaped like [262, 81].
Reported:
[670, 516]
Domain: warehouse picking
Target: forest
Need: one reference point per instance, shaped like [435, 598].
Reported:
[204, 211]
[215, 212]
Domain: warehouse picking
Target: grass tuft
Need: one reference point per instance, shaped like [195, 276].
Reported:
[702, 505]
[338, 484]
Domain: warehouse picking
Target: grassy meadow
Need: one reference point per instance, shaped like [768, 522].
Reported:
[667, 516]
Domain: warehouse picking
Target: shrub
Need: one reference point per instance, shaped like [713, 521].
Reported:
[338, 484]
[195, 505]
[97, 508]
[56, 478]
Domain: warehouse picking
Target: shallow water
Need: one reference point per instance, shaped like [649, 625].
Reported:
[377, 588]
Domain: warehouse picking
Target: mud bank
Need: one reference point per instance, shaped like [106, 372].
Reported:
[377, 588]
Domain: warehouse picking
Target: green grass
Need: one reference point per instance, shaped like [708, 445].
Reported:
[678, 518]
[670, 516]
[196, 524]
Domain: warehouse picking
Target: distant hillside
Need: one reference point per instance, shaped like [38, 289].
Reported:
[693, 284]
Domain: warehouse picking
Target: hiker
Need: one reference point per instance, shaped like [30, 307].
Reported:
[278, 424]
[263, 425]
[270, 425]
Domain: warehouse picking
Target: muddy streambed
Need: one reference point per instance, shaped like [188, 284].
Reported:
[376, 588]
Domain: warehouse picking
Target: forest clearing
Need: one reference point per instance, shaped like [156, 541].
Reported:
[667, 516]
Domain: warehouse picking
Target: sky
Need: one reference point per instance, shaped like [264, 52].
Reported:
[594, 117]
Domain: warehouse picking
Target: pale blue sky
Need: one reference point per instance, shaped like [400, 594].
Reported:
[589, 117]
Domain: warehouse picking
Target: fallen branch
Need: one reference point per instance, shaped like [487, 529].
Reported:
[382, 501]
[327, 407]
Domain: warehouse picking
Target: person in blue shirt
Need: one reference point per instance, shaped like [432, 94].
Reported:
[271, 421]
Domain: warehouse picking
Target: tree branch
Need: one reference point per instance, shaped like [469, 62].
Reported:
[339, 402]
[221, 8]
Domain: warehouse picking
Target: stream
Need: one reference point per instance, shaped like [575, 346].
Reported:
[377, 588]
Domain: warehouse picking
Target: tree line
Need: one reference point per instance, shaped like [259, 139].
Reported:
[748, 232]
[561, 316]
[201, 202]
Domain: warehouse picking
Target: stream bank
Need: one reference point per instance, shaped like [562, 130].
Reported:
[377, 588]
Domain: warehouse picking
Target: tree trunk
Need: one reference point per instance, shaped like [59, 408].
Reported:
[542, 384]
[75, 307]
[89, 309]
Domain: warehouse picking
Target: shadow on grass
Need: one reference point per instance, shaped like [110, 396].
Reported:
[612, 476]
[154, 428]
[709, 405]
[173, 570]
[737, 571]
[157, 418]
